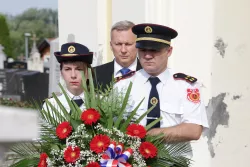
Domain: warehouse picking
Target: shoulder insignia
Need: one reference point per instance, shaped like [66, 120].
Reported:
[193, 95]
[56, 93]
[128, 75]
[181, 76]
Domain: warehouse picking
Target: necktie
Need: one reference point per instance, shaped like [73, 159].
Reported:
[154, 100]
[125, 71]
[79, 102]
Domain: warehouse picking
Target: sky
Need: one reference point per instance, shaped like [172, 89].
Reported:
[14, 7]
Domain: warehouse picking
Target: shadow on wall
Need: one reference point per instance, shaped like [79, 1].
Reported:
[217, 115]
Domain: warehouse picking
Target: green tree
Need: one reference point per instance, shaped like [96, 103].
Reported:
[5, 40]
[42, 22]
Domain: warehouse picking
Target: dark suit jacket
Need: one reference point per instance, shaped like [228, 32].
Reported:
[105, 72]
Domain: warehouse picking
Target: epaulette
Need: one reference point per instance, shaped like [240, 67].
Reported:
[181, 76]
[56, 93]
[128, 75]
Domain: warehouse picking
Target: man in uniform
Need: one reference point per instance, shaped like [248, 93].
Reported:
[176, 96]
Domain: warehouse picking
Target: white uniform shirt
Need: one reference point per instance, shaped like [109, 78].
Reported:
[175, 104]
[118, 67]
[63, 100]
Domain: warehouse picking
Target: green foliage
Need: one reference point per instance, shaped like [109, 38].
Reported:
[42, 22]
[112, 108]
[5, 40]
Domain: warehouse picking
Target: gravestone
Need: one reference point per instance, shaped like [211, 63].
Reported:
[12, 84]
[15, 65]
[34, 48]
[2, 57]
[35, 62]
[36, 86]
[24, 85]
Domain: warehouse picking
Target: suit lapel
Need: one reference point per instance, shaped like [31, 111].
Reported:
[138, 66]
[110, 72]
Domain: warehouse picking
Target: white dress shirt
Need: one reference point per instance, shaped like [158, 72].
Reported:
[64, 102]
[175, 104]
[118, 67]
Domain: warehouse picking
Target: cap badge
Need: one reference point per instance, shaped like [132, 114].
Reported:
[71, 49]
[148, 30]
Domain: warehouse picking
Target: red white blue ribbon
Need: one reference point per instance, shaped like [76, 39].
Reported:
[115, 157]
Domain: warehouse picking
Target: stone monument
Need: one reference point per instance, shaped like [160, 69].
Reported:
[34, 62]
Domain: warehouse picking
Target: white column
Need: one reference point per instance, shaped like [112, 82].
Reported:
[101, 23]
[104, 26]
[78, 18]
[160, 12]
[192, 54]
[54, 71]
[128, 10]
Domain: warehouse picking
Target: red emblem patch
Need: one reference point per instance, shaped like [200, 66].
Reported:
[193, 95]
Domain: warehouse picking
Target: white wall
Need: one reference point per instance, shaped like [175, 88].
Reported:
[230, 75]
[226, 84]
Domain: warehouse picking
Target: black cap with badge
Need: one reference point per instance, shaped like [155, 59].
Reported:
[153, 36]
[74, 52]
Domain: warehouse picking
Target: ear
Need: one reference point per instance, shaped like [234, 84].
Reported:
[170, 49]
[62, 75]
[110, 44]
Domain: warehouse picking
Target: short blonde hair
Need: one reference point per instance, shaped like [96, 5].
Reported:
[122, 25]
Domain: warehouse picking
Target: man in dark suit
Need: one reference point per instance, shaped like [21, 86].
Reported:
[123, 47]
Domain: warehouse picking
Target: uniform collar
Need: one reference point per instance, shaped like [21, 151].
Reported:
[164, 76]
[118, 67]
[71, 96]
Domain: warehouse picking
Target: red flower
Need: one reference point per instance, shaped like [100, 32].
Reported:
[90, 116]
[93, 164]
[99, 143]
[63, 130]
[42, 162]
[148, 150]
[71, 154]
[136, 130]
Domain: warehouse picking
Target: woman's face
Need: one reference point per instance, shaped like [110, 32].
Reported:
[71, 73]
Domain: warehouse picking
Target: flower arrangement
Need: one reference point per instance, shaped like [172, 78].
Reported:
[103, 135]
